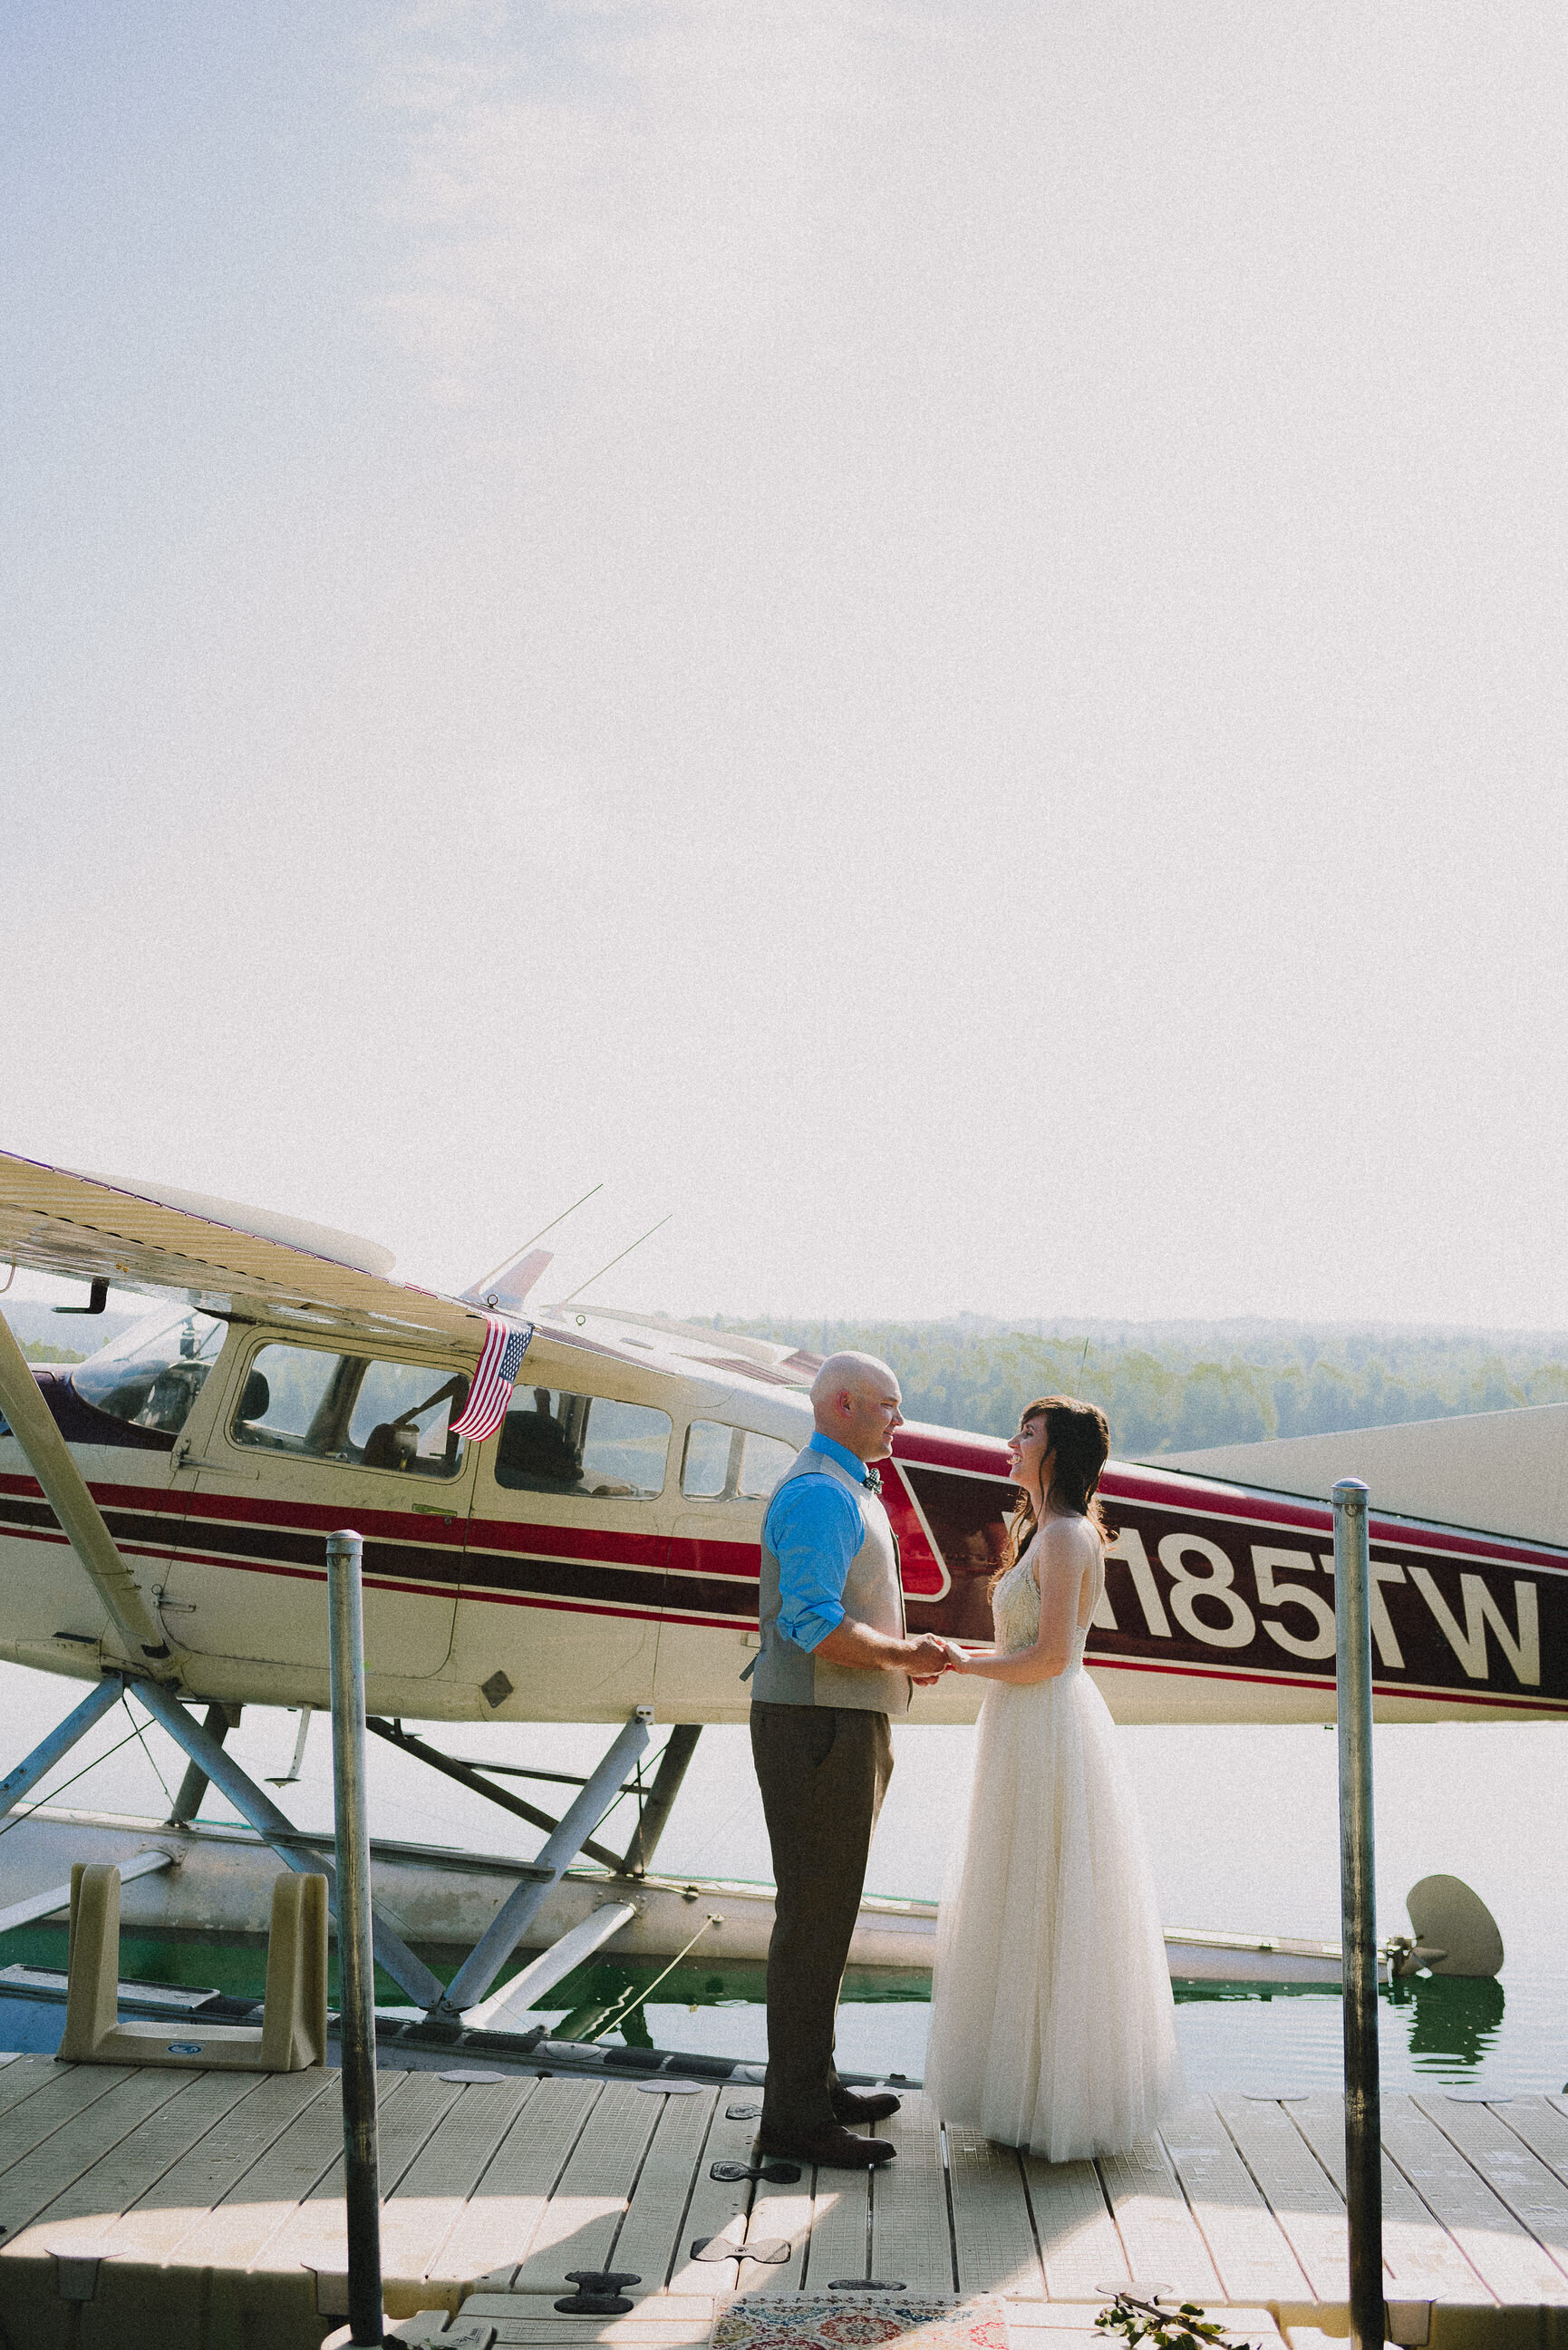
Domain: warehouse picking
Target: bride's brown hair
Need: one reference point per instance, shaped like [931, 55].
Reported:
[1078, 1437]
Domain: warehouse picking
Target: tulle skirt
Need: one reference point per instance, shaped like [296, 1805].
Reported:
[1052, 2025]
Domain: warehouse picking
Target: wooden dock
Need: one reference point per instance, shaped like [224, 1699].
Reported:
[197, 2210]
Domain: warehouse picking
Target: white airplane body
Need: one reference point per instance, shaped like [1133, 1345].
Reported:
[599, 1553]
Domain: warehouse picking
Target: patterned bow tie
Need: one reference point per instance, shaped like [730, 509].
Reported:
[872, 1482]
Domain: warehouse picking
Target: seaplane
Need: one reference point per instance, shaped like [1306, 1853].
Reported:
[592, 1557]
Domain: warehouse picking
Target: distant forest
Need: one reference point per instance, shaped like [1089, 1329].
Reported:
[1165, 1386]
[1177, 1386]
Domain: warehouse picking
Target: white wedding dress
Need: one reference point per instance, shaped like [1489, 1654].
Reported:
[1052, 2025]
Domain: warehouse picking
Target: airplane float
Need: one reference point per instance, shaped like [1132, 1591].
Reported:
[164, 1507]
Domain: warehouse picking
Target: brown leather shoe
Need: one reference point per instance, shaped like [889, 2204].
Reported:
[847, 2106]
[835, 2148]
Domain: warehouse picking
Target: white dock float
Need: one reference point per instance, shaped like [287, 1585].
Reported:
[193, 2211]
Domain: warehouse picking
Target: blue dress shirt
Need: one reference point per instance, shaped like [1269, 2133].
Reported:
[813, 1529]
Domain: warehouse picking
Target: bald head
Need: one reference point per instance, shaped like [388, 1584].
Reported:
[855, 1399]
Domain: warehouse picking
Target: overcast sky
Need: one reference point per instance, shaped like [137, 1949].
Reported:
[931, 634]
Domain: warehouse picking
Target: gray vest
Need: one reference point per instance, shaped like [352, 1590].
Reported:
[873, 1594]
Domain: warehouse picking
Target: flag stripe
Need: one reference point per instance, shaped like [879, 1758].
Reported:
[500, 1361]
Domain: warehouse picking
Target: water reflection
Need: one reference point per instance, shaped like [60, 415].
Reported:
[1450, 2023]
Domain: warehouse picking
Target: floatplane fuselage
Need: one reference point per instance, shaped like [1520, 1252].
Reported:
[599, 1553]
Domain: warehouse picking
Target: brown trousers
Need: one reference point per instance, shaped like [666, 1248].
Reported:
[823, 1771]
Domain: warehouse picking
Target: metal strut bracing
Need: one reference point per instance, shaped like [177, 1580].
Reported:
[256, 1806]
[21, 1780]
[467, 1774]
[655, 1799]
[506, 1929]
[220, 1720]
[678, 1748]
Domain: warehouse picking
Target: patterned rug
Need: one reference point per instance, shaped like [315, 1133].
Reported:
[861, 2321]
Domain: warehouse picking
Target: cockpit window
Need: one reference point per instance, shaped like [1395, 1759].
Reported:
[153, 1373]
[731, 1464]
[554, 1443]
[345, 1408]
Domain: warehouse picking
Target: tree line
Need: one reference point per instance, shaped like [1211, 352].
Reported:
[1176, 1387]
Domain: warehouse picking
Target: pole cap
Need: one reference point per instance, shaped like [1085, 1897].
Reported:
[345, 1543]
[1351, 1492]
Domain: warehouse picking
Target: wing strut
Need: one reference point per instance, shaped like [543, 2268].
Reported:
[66, 1491]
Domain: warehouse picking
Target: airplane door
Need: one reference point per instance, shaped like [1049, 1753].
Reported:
[311, 1439]
[568, 1552]
[710, 1638]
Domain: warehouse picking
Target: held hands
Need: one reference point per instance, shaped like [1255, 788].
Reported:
[930, 1658]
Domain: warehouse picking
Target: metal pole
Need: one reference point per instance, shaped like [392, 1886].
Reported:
[356, 1956]
[1358, 1917]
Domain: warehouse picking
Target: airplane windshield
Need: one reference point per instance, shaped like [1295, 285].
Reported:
[153, 1373]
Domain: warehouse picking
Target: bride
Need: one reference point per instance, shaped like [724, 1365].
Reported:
[1052, 2021]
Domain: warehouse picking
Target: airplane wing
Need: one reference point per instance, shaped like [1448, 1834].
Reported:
[1506, 1472]
[222, 1257]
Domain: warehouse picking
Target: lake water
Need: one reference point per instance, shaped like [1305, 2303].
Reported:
[1243, 1826]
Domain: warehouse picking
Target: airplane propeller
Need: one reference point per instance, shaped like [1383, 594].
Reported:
[1456, 1933]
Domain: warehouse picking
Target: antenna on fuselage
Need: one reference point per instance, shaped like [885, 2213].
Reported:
[648, 1235]
[476, 1292]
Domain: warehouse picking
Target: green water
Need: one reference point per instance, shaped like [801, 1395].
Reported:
[1265, 2038]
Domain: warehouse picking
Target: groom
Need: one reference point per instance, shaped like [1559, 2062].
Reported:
[836, 1661]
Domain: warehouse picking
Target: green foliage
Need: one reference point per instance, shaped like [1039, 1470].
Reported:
[1178, 1387]
[1186, 2328]
[37, 1352]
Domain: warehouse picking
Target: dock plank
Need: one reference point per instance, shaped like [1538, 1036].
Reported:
[910, 2238]
[1539, 2124]
[1420, 2259]
[717, 2208]
[1537, 2197]
[99, 2195]
[176, 2205]
[31, 2183]
[263, 2196]
[651, 2232]
[1299, 2193]
[1079, 2247]
[779, 2213]
[591, 2197]
[840, 2227]
[1502, 2253]
[424, 2207]
[24, 2076]
[1158, 2231]
[493, 2234]
[51, 2100]
[994, 2234]
[315, 2235]
[1251, 2253]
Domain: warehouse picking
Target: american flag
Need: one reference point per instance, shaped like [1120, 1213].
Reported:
[499, 1364]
